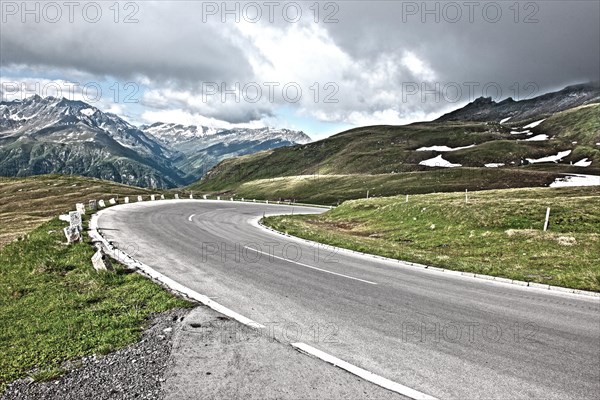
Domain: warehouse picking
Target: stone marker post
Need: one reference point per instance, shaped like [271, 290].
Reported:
[101, 262]
[176, 196]
[140, 198]
[80, 207]
[75, 220]
[126, 200]
[112, 201]
[72, 233]
[101, 203]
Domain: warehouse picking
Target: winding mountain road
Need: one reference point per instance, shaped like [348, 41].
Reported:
[444, 335]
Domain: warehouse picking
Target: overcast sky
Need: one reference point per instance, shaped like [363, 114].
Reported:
[319, 67]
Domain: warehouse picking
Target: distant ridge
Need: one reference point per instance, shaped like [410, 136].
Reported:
[484, 109]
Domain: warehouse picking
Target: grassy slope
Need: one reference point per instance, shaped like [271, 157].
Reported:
[390, 150]
[55, 307]
[498, 232]
[331, 189]
[28, 202]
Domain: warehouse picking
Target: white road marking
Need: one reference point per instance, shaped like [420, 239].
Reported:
[363, 373]
[128, 260]
[310, 266]
[191, 216]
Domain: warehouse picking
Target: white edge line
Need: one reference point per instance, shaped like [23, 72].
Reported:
[126, 259]
[530, 286]
[362, 373]
[310, 266]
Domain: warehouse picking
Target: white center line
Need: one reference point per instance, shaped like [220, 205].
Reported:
[310, 266]
[191, 216]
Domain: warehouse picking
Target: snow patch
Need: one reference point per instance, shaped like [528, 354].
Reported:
[583, 163]
[505, 119]
[556, 158]
[577, 180]
[444, 148]
[537, 138]
[439, 162]
[534, 124]
[521, 133]
[88, 111]
[494, 165]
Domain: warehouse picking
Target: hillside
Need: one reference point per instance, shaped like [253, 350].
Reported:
[571, 136]
[28, 202]
[498, 232]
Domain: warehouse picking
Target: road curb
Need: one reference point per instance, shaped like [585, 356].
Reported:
[492, 279]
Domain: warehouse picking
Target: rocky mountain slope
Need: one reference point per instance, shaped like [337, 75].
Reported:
[200, 148]
[485, 109]
[51, 135]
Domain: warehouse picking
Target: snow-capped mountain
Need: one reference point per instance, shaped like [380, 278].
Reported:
[67, 121]
[52, 135]
[176, 133]
[173, 135]
[202, 147]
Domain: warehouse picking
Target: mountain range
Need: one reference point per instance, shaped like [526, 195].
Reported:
[200, 148]
[55, 135]
[484, 145]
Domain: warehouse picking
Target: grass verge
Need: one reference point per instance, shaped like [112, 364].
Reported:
[54, 306]
[498, 232]
[25, 203]
[333, 189]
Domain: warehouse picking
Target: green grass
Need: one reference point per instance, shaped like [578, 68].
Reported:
[331, 189]
[54, 306]
[580, 124]
[387, 156]
[499, 232]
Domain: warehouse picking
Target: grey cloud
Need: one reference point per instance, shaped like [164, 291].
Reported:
[174, 48]
[168, 44]
[562, 48]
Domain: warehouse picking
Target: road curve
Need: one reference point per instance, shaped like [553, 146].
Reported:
[444, 335]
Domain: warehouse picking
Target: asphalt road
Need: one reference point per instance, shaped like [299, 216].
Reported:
[444, 335]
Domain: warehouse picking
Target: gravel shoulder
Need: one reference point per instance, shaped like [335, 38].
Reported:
[199, 354]
[135, 372]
